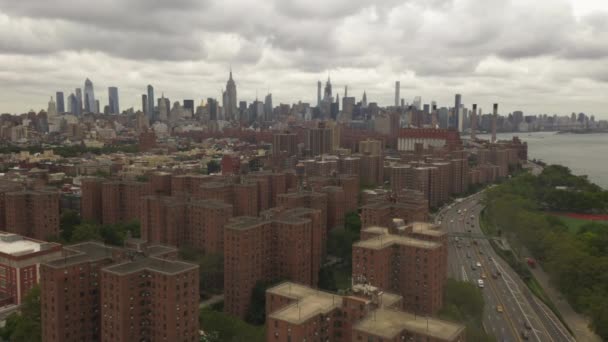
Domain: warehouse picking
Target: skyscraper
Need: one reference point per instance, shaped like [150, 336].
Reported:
[73, 104]
[144, 105]
[150, 106]
[113, 100]
[52, 109]
[494, 118]
[268, 107]
[78, 109]
[364, 100]
[230, 108]
[397, 90]
[60, 103]
[318, 93]
[328, 93]
[458, 111]
[189, 106]
[89, 97]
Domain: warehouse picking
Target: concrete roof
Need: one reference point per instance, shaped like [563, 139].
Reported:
[389, 323]
[386, 240]
[16, 245]
[140, 263]
[310, 302]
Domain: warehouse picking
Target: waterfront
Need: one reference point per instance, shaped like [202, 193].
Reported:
[584, 154]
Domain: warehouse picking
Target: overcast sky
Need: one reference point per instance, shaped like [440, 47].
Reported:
[541, 56]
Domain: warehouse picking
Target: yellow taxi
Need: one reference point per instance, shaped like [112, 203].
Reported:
[499, 308]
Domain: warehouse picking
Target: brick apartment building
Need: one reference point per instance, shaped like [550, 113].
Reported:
[409, 205]
[100, 293]
[110, 201]
[408, 260]
[296, 312]
[179, 221]
[281, 244]
[32, 213]
[5, 187]
[20, 259]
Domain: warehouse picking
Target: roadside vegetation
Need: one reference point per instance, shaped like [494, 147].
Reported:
[575, 259]
[463, 303]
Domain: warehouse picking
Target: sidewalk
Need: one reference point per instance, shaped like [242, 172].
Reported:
[577, 322]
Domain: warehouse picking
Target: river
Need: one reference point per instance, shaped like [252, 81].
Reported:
[584, 154]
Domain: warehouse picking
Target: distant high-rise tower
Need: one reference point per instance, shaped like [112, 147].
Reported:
[397, 90]
[73, 104]
[268, 107]
[60, 103]
[458, 111]
[230, 108]
[97, 109]
[473, 121]
[318, 93]
[113, 100]
[144, 104]
[163, 109]
[494, 118]
[150, 105]
[78, 108]
[89, 97]
[52, 109]
[364, 100]
[345, 91]
[328, 93]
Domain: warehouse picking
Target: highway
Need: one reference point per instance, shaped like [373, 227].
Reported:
[523, 316]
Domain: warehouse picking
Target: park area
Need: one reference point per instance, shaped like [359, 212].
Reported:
[575, 221]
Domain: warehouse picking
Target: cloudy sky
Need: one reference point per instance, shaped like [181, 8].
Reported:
[541, 56]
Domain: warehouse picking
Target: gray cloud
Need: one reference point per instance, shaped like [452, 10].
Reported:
[517, 48]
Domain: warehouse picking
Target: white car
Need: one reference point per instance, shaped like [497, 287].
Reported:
[480, 283]
[451, 221]
[478, 264]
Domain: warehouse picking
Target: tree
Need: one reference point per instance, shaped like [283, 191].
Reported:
[67, 223]
[26, 326]
[213, 166]
[85, 232]
[226, 328]
[256, 314]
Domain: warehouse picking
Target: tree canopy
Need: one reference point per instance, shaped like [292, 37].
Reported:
[577, 262]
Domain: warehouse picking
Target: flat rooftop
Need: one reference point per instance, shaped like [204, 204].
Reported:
[386, 240]
[140, 263]
[426, 228]
[16, 245]
[310, 302]
[245, 222]
[82, 252]
[389, 323]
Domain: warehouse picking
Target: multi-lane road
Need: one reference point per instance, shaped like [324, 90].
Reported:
[511, 312]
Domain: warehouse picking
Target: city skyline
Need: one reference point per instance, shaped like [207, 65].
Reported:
[546, 60]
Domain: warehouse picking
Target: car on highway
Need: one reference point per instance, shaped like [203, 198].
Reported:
[527, 325]
[480, 283]
[473, 267]
[468, 255]
[451, 221]
[494, 275]
[499, 308]
[478, 264]
[525, 335]
[481, 252]
[483, 275]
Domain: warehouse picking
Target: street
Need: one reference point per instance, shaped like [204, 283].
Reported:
[523, 316]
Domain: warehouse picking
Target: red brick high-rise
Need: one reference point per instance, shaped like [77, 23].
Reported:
[281, 244]
[101, 293]
[32, 213]
[408, 260]
[121, 200]
[91, 199]
[299, 313]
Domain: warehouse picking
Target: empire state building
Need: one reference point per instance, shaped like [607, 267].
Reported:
[230, 108]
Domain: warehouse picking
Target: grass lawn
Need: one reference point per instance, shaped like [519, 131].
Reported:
[575, 224]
